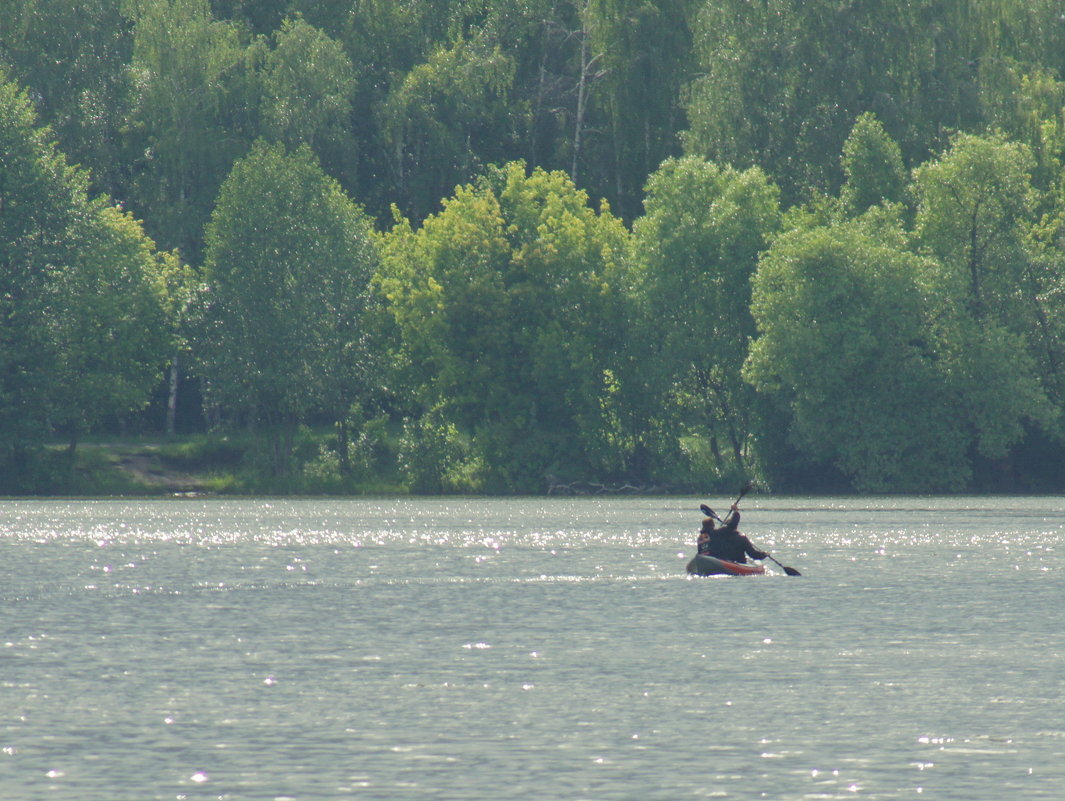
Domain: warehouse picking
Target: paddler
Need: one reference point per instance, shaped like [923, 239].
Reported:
[726, 542]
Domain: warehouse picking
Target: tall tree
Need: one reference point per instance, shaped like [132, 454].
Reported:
[81, 328]
[974, 209]
[445, 122]
[975, 213]
[188, 116]
[72, 57]
[697, 246]
[39, 198]
[872, 167]
[646, 61]
[107, 322]
[782, 81]
[505, 301]
[308, 85]
[844, 347]
[287, 271]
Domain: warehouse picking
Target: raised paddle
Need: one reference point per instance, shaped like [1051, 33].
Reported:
[710, 513]
[747, 487]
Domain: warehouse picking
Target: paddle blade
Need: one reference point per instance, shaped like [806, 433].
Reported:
[791, 571]
[706, 510]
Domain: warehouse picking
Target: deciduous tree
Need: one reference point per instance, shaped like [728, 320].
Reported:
[73, 59]
[446, 121]
[289, 260]
[975, 213]
[505, 304]
[697, 246]
[872, 167]
[190, 91]
[107, 322]
[843, 345]
[308, 85]
[82, 336]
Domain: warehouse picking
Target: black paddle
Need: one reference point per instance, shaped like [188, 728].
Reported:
[791, 571]
[706, 510]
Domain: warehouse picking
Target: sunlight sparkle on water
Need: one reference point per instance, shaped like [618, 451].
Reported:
[496, 635]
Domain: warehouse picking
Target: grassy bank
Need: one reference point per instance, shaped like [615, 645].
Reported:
[207, 465]
[383, 459]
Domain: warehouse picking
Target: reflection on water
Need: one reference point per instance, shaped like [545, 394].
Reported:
[486, 649]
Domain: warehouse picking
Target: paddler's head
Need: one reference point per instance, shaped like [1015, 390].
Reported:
[708, 525]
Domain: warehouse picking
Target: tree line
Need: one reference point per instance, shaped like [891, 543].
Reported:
[506, 246]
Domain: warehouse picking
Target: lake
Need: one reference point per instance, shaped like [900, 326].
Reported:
[483, 650]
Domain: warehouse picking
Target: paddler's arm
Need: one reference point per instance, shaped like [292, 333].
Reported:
[732, 522]
[753, 552]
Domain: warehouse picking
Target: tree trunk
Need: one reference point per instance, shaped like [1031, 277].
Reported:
[583, 82]
[582, 89]
[171, 399]
[343, 448]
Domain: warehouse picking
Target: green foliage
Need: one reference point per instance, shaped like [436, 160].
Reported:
[525, 334]
[188, 97]
[360, 456]
[973, 209]
[435, 458]
[782, 81]
[82, 334]
[308, 85]
[644, 51]
[441, 107]
[218, 451]
[696, 249]
[844, 346]
[506, 301]
[74, 56]
[974, 214]
[872, 167]
[109, 326]
[289, 260]
[41, 195]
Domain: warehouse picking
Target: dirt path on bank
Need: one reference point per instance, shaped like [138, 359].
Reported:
[151, 470]
[145, 465]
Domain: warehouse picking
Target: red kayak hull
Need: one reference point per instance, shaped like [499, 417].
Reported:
[703, 565]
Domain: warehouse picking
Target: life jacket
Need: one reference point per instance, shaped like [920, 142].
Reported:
[704, 542]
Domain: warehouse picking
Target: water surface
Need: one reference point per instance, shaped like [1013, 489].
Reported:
[492, 649]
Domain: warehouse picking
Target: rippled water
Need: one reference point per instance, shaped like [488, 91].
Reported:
[494, 649]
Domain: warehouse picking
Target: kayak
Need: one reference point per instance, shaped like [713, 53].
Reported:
[703, 565]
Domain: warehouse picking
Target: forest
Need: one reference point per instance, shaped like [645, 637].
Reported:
[538, 246]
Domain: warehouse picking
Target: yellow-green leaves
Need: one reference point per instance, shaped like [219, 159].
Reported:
[504, 304]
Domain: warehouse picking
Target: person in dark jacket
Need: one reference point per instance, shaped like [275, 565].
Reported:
[732, 522]
[727, 542]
